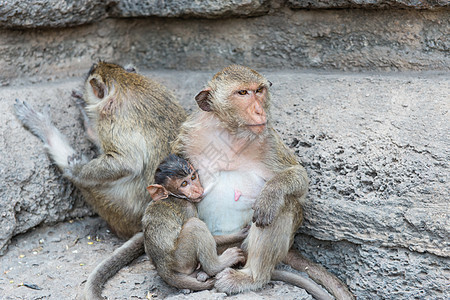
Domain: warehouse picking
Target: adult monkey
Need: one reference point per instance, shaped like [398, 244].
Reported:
[252, 177]
[131, 119]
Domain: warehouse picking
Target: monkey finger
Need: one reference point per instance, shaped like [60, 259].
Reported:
[263, 218]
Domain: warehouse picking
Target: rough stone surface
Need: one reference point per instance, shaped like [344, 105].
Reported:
[31, 190]
[51, 13]
[56, 261]
[59, 13]
[388, 40]
[188, 8]
[369, 4]
[375, 148]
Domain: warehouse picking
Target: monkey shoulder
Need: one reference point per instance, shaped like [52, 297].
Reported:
[280, 156]
[177, 210]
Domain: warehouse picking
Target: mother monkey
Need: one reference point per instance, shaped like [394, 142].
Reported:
[252, 177]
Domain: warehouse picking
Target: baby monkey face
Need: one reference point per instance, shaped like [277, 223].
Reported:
[190, 186]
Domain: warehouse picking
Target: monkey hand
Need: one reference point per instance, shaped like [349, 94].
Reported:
[243, 232]
[266, 207]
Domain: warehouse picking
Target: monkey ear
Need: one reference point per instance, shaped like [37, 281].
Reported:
[98, 88]
[203, 99]
[157, 192]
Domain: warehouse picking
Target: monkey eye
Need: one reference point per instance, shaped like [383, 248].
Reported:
[260, 89]
[184, 183]
[242, 92]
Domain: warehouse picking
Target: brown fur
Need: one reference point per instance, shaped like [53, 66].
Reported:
[276, 212]
[133, 120]
[175, 239]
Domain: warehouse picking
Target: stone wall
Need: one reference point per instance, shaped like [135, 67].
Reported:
[375, 146]
[181, 37]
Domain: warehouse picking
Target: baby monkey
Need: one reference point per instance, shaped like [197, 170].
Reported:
[176, 240]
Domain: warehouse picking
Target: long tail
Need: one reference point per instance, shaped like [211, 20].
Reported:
[310, 286]
[183, 281]
[319, 274]
[121, 257]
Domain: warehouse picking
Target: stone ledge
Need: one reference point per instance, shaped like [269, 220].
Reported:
[368, 4]
[59, 13]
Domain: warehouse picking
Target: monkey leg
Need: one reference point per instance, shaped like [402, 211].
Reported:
[196, 244]
[266, 247]
[231, 239]
[40, 125]
[319, 274]
[103, 169]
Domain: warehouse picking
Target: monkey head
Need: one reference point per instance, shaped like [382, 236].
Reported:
[108, 82]
[240, 98]
[176, 177]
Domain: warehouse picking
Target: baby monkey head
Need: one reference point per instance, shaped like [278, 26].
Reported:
[176, 177]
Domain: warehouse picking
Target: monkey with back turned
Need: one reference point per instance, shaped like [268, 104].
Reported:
[132, 119]
[174, 238]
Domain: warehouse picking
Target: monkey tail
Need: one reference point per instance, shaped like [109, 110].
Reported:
[305, 283]
[319, 274]
[183, 281]
[122, 256]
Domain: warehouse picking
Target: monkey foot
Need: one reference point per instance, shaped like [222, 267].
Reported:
[232, 281]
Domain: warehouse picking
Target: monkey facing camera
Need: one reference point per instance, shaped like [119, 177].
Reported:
[175, 238]
[255, 180]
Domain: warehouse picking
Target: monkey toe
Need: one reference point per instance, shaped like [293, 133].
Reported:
[202, 276]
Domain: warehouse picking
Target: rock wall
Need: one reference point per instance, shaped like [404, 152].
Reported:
[375, 145]
[280, 37]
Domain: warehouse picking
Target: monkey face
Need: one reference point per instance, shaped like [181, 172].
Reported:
[191, 187]
[249, 103]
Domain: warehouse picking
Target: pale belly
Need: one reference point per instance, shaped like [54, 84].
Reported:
[227, 206]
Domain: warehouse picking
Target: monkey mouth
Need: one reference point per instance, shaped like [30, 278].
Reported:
[257, 125]
[257, 128]
[198, 199]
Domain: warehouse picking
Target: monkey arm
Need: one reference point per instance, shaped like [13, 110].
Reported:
[291, 181]
[105, 168]
[232, 238]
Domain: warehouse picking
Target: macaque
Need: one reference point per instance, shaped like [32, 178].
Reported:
[175, 239]
[255, 178]
[132, 119]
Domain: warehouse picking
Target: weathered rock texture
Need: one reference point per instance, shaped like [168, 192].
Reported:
[375, 148]
[369, 4]
[51, 13]
[190, 9]
[59, 13]
[388, 40]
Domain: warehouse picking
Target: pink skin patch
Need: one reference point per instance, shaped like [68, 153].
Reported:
[237, 195]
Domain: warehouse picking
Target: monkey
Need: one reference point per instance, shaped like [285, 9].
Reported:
[174, 238]
[132, 119]
[256, 179]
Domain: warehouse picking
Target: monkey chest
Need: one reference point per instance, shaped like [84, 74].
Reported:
[227, 207]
